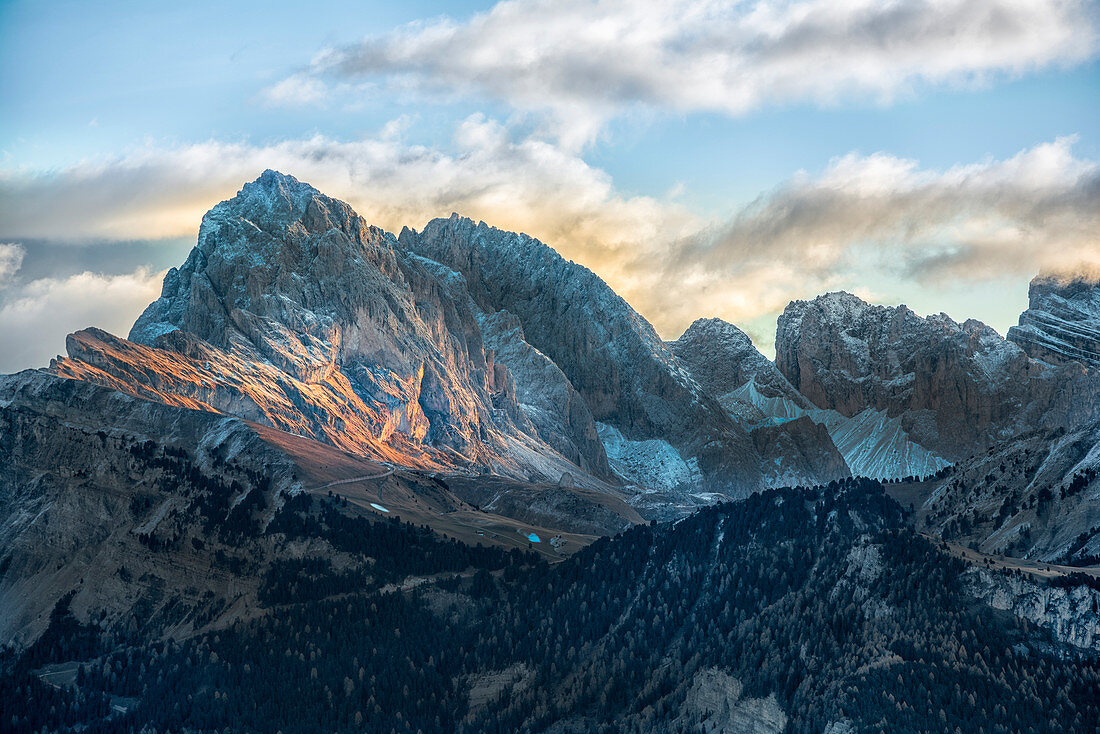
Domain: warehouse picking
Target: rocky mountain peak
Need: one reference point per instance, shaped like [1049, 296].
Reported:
[955, 386]
[1062, 321]
[722, 358]
[292, 311]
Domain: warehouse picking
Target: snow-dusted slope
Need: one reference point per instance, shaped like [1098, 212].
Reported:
[872, 443]
[723, 360]
[651, 463]
[1062, 322]
[875, 445]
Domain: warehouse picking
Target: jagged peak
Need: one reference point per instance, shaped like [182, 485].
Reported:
[276, 200]
[708, 329]
[1064, 284]
[272, 184]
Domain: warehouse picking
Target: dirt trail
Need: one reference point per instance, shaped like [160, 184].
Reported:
[1010, 563]
[353, 480]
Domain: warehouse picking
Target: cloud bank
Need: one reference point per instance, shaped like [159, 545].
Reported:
[36, 316]
[862, 221]
[865, 217]
[585, 61]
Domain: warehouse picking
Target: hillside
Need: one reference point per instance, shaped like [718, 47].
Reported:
[794, 610]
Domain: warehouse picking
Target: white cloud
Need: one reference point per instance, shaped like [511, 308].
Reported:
[878, 219]
[295, 91]
[11, 259]
[1039, 209]
[526, 184]
[36, 317]
[587, 60]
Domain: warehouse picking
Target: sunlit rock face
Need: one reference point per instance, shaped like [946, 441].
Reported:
[293, 311]
[613, 357]
[956, 387]
[1062, 321]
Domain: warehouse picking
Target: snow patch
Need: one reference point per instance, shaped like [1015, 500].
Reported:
[652, 463]
[872, 443]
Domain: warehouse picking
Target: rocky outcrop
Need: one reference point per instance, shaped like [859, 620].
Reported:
[798, 453]
[1062, 321]
[1068, 611]
[627, 376]
[715, 702]
[956, 387]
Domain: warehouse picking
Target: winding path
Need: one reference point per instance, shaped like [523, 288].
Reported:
[352, 480]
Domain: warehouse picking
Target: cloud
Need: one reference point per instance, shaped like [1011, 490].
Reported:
[521, 184]
[1037, 209]
[35, 317]
[882, 226]
[585, 61]
[11, 259]
[875, 217]
[296, 91]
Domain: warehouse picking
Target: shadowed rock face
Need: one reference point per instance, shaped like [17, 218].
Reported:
[1062, 321]
[723, 359]
[956, 386]
[546, 395]
[80, 493]
[611, 355]
[294, 312]
[1034, 496]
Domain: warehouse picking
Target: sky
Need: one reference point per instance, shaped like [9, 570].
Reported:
[705, 158]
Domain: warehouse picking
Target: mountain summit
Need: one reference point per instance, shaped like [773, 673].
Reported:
[1062, 321]
[459, 348]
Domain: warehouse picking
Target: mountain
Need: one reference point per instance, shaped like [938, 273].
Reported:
[723, 360]
[291, 311]
[630, 380]
[956, 388]
[1062, 320]
[460, 348]
[870, 444]
[403, 484]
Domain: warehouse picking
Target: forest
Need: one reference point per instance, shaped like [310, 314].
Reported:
[823, 601]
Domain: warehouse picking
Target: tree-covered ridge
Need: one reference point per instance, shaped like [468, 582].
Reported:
[821, 598]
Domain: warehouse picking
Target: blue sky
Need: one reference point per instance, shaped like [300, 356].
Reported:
[936, 153]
